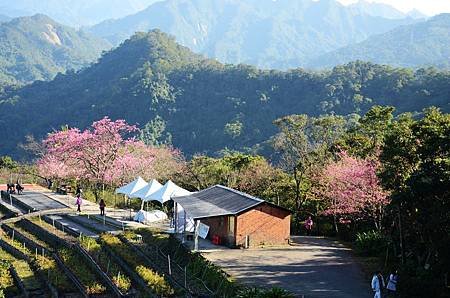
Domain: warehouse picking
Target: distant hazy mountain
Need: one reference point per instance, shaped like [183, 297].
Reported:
[267, 33]
[37, 48]
[74, 12]
[382, 10]
[4, 18]
[421, 44]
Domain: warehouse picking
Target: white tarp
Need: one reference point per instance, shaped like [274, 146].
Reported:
[181, 221]
[168, 191]
[132, 187]
[150, 216]
[145, 192]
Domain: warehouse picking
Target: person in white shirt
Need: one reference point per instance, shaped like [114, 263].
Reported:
[392, 284]
[377, 284]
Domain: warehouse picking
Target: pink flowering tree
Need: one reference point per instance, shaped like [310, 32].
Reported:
[351, 190]
[102, 154]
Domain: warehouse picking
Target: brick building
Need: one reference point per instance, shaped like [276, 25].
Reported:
[235, 218]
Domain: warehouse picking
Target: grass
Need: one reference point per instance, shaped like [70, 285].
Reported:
[23, 270]
[29, 235]
[47, 266]
[7, 287]
[121, 280]
[73, 261]
[87, 277]
[197, 267]
[157, 283]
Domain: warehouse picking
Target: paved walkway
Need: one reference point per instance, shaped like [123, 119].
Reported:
[312, 266]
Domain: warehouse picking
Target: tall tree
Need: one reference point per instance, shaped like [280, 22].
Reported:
[351, 188]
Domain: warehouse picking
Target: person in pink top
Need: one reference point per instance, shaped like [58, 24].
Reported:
[308, 225]
[79, 202]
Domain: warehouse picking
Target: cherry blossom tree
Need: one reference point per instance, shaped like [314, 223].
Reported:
[101, 154]
[105, 155]
[351, 189]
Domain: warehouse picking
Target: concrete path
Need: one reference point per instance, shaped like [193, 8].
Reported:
[38, 201]
[312, 266]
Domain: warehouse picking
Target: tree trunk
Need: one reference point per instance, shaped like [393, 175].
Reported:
[336, 229]
[402, 250]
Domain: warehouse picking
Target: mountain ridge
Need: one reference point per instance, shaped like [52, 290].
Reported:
[417, 45]
[270, 34]
[37, 48]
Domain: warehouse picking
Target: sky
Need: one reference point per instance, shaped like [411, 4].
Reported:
[429, 7]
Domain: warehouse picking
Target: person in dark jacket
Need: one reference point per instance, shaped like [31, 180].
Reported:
[102, 207]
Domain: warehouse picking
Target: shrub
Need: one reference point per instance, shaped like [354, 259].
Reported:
[370, 243]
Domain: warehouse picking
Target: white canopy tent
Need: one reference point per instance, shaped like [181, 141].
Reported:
[168, 191]
[145, 192]
[132, 187]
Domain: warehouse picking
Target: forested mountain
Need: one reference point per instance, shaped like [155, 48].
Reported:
[74, 13]
[270, 34]
[422, 44]
[202, 105]
[37, 48]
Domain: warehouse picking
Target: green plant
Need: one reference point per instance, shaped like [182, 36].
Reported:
[371, 243]
[6, 279]
[82, 271]
[263, 293]
[155, 281]
[276, 293]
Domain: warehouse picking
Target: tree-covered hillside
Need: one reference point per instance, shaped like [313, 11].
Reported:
[37, 48]
[201, 105]
[422, 44]
[270, 34]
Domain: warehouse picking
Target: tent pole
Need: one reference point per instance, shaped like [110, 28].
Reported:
[184, 227]
[196, 224]
[175, 221]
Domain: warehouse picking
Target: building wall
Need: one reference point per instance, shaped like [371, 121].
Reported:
[265, 225]
[219, 226]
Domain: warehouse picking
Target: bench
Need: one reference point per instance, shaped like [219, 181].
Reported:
[63, 189]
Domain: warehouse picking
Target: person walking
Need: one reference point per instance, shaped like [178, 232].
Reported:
[308, 226]
[78, 202]
[102, 207]
[377, 284]
[392, 284]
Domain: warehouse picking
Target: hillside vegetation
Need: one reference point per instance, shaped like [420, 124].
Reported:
[201, 105]
[37, 48]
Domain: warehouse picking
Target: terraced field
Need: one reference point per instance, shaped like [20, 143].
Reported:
[71, 255]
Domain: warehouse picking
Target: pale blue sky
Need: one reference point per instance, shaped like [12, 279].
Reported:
[429, 7]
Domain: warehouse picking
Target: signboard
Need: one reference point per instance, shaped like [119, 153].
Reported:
[203, 230]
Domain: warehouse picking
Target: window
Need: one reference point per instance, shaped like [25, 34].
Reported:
[231, 224]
